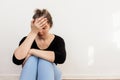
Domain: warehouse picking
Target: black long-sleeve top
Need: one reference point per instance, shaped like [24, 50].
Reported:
[57, 45]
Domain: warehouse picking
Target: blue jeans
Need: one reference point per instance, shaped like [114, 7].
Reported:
[38, 69]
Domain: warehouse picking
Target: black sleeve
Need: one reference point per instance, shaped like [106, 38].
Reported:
[14, 59]
[60, 52]
[22, 40]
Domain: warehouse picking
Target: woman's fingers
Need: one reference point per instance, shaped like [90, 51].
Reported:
[40, 22]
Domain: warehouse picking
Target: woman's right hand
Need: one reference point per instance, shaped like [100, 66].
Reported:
[38, 23]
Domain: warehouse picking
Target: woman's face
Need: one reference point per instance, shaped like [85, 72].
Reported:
[44, 31]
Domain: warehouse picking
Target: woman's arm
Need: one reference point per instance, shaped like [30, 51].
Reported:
[57, 55]
[59, 50]
[47, 55]
[23, 49]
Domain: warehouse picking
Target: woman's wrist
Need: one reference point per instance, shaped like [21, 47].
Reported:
[31, 51]
[32, 34]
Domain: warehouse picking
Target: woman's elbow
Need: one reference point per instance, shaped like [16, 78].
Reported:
[17, 61]
[60, 60]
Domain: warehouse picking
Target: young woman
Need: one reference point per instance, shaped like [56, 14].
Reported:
[40, 51]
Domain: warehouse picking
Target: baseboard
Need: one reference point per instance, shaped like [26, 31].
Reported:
[64, 77]
[90, 77]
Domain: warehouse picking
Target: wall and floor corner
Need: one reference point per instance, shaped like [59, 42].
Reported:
[90, 28]
[16, 77]
[65, 77]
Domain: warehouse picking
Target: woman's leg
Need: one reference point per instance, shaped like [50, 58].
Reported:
[57, 73]
[29, 71]
[45, 70]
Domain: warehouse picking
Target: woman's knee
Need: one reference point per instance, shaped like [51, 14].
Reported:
[29, 70]
[45, 62]
[32, 60]
[44, 65]
[45, 68]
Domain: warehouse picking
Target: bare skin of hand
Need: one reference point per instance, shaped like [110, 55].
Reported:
[38, 24]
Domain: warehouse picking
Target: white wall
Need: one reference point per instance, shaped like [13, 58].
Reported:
[91, 29]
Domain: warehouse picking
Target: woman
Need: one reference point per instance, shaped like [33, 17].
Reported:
[40, 51]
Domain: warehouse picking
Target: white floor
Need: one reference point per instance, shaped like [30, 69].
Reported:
[16, 78]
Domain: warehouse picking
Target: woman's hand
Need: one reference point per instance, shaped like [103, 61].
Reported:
[38, 24]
